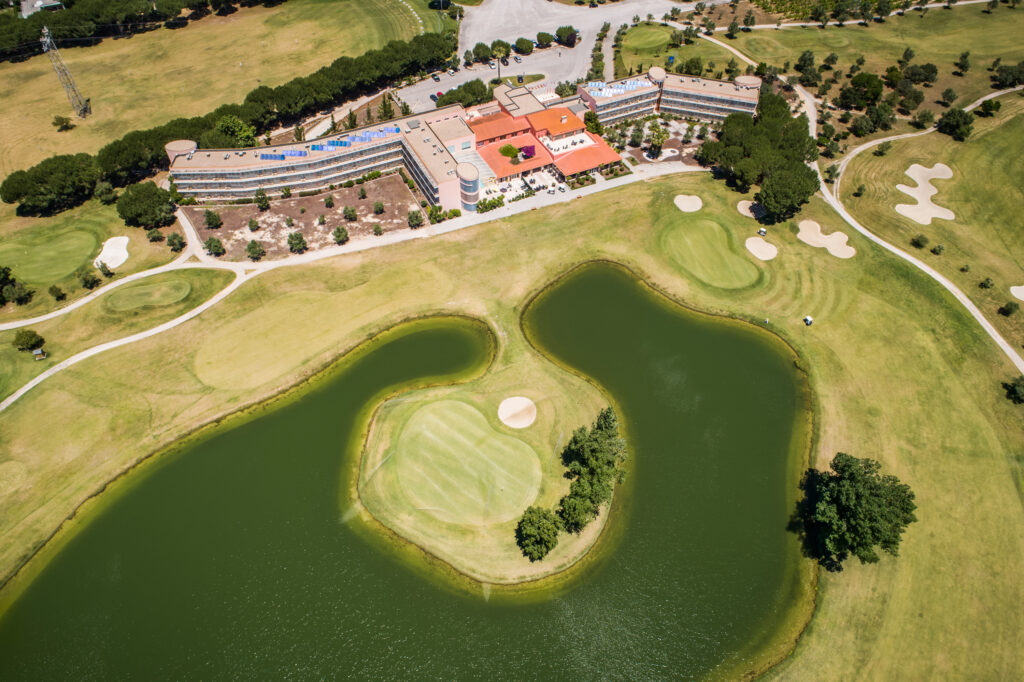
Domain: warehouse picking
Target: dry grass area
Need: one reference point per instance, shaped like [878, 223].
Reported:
[153, 77]
[899, 372]
[304, 213]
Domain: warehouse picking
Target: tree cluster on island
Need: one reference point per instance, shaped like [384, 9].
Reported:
[593, 459]
[772, 151]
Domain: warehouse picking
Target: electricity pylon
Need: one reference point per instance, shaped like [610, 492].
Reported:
[78, 103]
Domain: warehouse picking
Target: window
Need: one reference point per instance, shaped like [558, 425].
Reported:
[466, 145]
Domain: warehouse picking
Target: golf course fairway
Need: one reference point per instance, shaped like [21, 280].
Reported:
[230, 555]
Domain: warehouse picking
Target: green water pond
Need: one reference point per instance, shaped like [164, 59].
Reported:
[231, 557]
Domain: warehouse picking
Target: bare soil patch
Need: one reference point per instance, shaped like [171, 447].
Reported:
[273, 229]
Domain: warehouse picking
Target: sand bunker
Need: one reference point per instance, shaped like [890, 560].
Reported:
[688, 203]
[835, 243]
[1017, 292]
[517, 412]
[751, 209]
[924, 210]
[761, 249]
[114, 252]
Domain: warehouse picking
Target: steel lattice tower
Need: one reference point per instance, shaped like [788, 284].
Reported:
[78, 103]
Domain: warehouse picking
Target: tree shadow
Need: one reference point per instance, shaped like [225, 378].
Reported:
[802, 523]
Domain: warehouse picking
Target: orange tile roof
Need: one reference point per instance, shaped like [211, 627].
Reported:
[588, 158]
[551, 121]
[503, 166]
[497, 125]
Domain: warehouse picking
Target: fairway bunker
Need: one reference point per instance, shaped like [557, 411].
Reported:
[1017, 292]
[761, 249]
[835, 243]
[688, 203]
[925, 209]
[751, 209]
[517, 412]
[114, 252]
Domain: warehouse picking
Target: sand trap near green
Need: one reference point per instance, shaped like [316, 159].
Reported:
[703, 248]
[147, 294]
[451, 463]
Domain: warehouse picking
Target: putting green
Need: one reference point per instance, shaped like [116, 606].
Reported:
[49, 260]
[145, 294]
[450, 463]
[703, 248]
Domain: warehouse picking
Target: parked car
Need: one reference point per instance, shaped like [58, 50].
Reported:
[451, 72]
[519, 60]
[436, 77]
[561, 188]
[433, 97]
[504, 61]
[493, 65]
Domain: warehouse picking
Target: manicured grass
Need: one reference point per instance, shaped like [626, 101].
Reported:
[937, 37]
[527, 79]
[154, 77]
[704, 249]
[984, 193]
[646, 45]
[46, 251]
[899, 373]
[126, 310]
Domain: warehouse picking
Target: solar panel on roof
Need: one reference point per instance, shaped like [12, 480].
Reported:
[318, 147]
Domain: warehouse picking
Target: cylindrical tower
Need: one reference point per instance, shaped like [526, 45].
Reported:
[469, 185]
[176, 148]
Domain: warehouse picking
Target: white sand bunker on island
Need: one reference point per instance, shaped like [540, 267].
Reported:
[761, 249]
[1017, 292]
[751, 209]
[925, 209]
[517, 412]
[688, 203]
[114, 252]
[835, 243]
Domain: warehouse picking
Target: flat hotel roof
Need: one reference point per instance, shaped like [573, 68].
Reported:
[694, 84]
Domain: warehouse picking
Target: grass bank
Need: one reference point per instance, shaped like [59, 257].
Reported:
[42, 252]
[132, 308]
[900, 373]
[939, 36]
[646, 45]
[984, 194]
[153, 77]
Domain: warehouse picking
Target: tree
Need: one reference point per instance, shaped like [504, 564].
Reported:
[378, 230]
[963, 63]
[948, 96]
[851, 511]
[593, 123]
[214, 247]
[340, 235]
[286, 193]
[262, 200]
[749, 20]
[145, 205]
[956, 123]
[864, 89]
[986, 283]
[57, 293]
[240, 133]
[378, 207]
[468, 94]
[659, 135]
[883, 9]
[1015, 390]
[415, 219]
[329, 201]
[17, 292]
[386, 110]
[62, 123]
[919, 241]
[154, 235]
[467, 57]
[482, 52]
[733, 29]
[350, 213]
[566, 35]
[88, 278]
[923, 119]
[351, 121]
[175, 241]
[883, 148]
[253, 225]
[105, 193]
[524, 45]
[508, 150]
[212, 219]
[784, 191]
[989, 107]
[544, 39]
[254, 250]
[53, 185]
[27, 340]
[537, 533]
[296, 242]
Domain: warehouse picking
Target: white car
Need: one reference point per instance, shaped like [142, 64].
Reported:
[493, 65]
[519, 60]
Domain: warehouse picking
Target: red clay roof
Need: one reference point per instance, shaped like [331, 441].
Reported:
[497, 125]
[551, 121]
[588, 158]
[502, 165]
